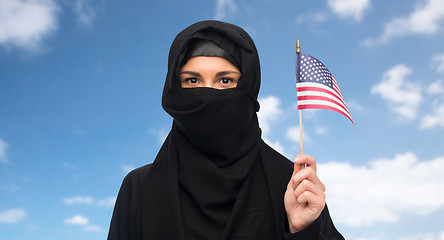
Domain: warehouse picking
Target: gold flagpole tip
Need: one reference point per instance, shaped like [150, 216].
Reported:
[298, 46]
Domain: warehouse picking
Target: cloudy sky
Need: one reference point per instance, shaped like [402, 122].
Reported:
[81, 83]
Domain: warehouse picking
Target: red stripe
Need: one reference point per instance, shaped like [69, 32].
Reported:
[336, 88]
[316, 106]
[337, 91]
[316, 89]
[323, 99]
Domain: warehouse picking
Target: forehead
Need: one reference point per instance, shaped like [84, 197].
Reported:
[203, 63]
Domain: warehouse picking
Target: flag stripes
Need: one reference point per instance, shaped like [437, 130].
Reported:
[317, 88]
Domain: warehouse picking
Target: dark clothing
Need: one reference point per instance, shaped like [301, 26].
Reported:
[141, 186]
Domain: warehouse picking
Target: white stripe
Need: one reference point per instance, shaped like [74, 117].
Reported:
[323, 102]
[336, 87]
[318, 85]
[321, 94]
[320, 102]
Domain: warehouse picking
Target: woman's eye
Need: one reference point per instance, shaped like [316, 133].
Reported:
[191, 80]
[226, 80]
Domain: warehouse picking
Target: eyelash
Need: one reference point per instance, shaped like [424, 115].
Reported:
[226, 78]
[188, 80]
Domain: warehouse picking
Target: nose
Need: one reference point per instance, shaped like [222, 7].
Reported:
[208, 83]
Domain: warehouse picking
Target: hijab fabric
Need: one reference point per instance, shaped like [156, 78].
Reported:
[216, 131]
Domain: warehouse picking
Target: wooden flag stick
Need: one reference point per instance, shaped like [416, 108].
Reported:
[298, 51]
[300, 131]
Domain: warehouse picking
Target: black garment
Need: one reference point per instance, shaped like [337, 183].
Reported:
[214, 177]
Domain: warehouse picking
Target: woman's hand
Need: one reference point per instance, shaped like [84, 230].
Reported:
[305, 196]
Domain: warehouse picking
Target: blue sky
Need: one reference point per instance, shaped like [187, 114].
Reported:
[80, 92]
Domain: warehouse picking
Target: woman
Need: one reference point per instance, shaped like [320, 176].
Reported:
[214, 177]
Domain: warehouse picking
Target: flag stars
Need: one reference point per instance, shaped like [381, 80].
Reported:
[312, 70]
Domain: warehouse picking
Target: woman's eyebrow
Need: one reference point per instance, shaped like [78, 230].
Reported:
[196, 74]
[223, 73]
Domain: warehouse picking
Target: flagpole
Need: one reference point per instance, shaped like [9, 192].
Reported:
[298, 51]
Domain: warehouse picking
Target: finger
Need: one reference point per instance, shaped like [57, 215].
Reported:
[310, 199]
[305, 159]
[296, 169]
[291, 186]
[297, 166]
[309, 186]
[307, 174]
[301, 159]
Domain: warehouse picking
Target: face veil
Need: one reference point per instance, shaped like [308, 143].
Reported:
[222, 124]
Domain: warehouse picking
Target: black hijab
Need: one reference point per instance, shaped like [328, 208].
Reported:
[216, 131]
[214, 177]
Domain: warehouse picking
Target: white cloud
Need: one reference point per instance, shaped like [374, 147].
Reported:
[321, 130]
[83, 221]
[85, 13]
[86, 200]
[438, 60]
[77, 220]
[436, 87]
[12, 216]
[425, 236]
[160, 133]
[388, 188]
[24, 24]
[424, 20]
[349, 8]
[107, 202]
[436, 118]
[276, 145]
[93, 228]
[294, 135]
[269, 114]
[224, 9]
[270, 111]
[3, 148]
[402, 96]
[78, 200]
[354, 105]
[127, 168]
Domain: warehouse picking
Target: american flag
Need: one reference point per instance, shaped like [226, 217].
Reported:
[316, 86]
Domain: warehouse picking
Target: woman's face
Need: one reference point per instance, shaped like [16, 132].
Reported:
[212, 72]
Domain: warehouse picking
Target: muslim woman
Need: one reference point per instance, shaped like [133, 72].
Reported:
[214, 177]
